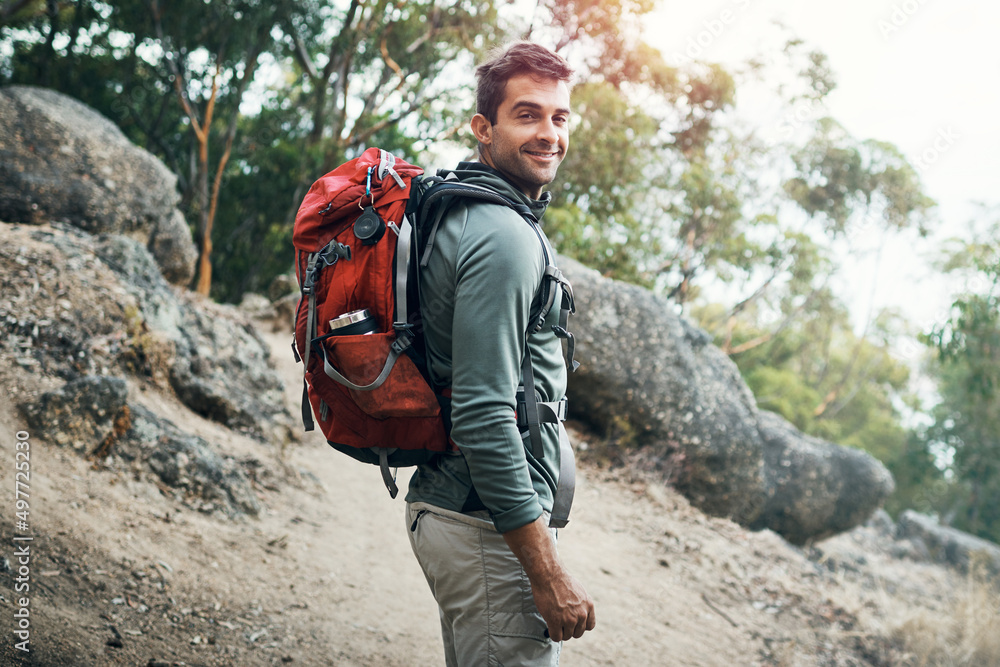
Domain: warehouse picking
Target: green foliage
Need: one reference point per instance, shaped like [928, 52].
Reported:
[812, 369]
[840, 178]
[967, 367]
[18, 13]
[605, 171]
[253, 242]
[921, 484]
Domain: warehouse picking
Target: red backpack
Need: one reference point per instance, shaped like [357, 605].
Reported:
[356, 236]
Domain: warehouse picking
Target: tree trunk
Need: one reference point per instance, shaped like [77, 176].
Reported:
[212, 200]
[204, 219]
[45, 76]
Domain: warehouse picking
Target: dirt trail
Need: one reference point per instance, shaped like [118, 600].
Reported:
[126, 575]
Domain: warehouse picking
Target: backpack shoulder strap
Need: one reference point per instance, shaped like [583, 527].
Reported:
[439, 196]
[439, 193]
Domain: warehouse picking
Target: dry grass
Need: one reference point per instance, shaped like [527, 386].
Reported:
[966, 635]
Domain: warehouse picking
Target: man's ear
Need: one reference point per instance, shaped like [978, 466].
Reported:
[482, 128]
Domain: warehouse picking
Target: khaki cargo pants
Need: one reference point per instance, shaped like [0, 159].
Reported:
[488, 616]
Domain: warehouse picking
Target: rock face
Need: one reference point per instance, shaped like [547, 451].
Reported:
[815, 488]
[948, 545]
[682, 408]
[82, 413]
[189, 464]
[916, 538]
[222, 372]
[62, 161]
[86, 298]
[91, 415]
[118, 316]
[648, 372]
[219, 365]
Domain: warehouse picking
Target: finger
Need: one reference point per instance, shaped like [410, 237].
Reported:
[592, 617]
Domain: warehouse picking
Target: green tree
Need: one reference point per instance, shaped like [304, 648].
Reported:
[392, 74]
[173, 74]
[202, 44]
[817, 373]
[967, 419]
[841, 179]
[176, 75]
[596, 219]
[771, 241]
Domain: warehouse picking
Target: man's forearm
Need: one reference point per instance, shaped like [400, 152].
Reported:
[534, 547]
[561, 600]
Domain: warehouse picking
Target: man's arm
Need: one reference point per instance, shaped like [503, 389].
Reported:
[561, 600]
[497, 271]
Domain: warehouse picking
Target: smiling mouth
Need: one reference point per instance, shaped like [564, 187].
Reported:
[543, 154]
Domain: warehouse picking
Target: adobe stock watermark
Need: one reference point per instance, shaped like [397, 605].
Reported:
[945, 138]
[899, 16]
[804, 113]
[21, 563]
[711, 30]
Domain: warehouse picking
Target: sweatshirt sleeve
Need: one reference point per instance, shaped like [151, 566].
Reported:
[498, 270]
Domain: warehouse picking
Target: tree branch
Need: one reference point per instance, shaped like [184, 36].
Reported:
[763, 338]
[355, 140]
[301, 53]
[856, 353]
[248, 73]
[179, 83]
[210, 107]
[205, 275]
[77, 26]
[393, 65]
[336, 47]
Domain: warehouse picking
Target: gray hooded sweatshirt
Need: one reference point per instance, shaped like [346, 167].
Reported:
[478, 291]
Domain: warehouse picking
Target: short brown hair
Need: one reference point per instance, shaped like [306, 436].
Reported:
[513, 60]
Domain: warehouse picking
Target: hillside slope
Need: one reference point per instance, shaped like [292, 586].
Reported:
[124, 573]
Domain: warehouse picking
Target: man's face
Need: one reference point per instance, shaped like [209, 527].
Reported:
[530, 138]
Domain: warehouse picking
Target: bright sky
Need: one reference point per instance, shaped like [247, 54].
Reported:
[921, 74]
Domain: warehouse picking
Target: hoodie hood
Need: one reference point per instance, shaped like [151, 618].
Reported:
[477, 173]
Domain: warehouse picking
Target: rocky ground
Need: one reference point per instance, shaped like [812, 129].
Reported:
[124, 571]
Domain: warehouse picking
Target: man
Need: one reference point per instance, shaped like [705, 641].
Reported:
[478, 518]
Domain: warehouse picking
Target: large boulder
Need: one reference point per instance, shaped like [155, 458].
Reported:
[815, 488]
[62, 161]
[681, 407]
[655, 376]
[220, 366]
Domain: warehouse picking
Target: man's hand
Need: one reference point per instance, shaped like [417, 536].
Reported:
[561, 600]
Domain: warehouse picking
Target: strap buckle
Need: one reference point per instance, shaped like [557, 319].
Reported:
[331, 253]
[404, 337]
[549, 412]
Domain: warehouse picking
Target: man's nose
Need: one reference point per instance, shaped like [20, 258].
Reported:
[548, 132]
